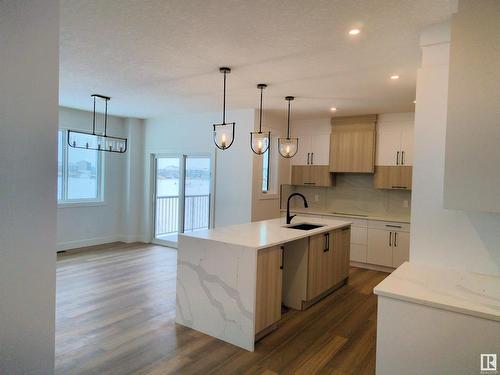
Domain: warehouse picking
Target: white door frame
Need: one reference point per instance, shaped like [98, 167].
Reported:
[182, 156]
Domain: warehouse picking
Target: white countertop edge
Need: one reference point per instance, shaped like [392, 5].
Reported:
[292, 234]
[455, 303]
[353, 216]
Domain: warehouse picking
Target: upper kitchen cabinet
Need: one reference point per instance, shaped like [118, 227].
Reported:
[312, 175]
[395, 139]
[314, 142]
[472, 152]
[352, 144]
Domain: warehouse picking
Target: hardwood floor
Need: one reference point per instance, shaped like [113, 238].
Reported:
[116, 312]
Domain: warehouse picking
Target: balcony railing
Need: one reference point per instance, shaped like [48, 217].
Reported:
[196, 213]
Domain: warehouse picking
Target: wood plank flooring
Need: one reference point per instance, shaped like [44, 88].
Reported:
[116, 315]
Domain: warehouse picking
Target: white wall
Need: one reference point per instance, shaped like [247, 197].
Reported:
[267, 206]
[193, 133]
[101, 223]
[441, 237]
[472, 158]
[28, 174]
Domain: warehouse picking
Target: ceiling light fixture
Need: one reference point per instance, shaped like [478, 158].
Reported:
[414, 102]
[224, 132]
[288, 147]
[354, 31]
[394, 77]
[333, 109]
[259, 142]
[94, 141]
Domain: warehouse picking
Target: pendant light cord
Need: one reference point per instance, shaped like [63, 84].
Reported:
[288, 131]
[105, 116]
[224, 101]
[260, 112]
[93, 120]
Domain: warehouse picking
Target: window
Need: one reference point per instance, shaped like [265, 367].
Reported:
[265, 170]
[79, 173]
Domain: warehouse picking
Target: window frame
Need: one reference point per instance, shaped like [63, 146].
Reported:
[100, 174]
[266, 156]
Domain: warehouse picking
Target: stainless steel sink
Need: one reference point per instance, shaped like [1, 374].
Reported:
[304, 226]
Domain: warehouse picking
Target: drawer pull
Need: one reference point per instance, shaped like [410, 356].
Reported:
[393, 226]
[309, 183]
[399, 187]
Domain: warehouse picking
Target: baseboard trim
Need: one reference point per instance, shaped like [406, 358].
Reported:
[373, 267]
[69, 245]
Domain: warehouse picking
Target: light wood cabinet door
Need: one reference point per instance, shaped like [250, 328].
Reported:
[312, 175]
[319, 265]
[401, 248]
[340, 253]
[393, 177]
[352, 148]
[379, 249]
[269, 287]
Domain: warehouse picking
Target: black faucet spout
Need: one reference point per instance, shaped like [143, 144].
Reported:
[288, 216]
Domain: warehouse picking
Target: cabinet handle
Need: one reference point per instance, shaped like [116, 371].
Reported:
[397, 158]
[393, 226]
[308, 158]
[327, 244]
[312, 157]
[399, 187]
[309, 183]
[402, 158]
[282, 257]
[390, 238]
[395, 239]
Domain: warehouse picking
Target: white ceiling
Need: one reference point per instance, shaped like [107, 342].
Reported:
[162, 56]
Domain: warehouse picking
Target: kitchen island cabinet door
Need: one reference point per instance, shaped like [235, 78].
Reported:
[401, 249]
[319, 265]
[269, 286]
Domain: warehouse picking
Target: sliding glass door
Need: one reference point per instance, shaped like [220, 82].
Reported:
[182, 199]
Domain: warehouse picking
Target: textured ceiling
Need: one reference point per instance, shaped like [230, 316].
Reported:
[162, 56]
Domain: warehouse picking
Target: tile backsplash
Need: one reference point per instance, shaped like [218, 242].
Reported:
[352, 193]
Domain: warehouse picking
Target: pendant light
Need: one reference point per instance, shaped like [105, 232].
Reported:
[288, 147]
[95, 141]
[224, 133]
[259, 141]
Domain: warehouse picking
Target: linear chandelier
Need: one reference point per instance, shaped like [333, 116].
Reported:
[95, 141]
[288, 147]
[224, 132]
[259, 141]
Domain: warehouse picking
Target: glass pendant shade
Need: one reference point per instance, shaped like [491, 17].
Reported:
[97, 142]
[224, 135]
[224, 132]
[259, 141]
[288, 147]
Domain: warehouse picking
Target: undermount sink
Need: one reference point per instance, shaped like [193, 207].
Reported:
[304, 226]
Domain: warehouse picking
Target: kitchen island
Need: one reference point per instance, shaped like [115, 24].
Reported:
[231, 281]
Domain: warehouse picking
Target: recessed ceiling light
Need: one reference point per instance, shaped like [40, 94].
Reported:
[354, 31]
[414, 102]
[394, 77]
[333, 109]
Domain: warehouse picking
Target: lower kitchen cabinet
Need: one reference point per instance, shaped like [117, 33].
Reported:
[388, 248]
[401, 249]
[269, 287]
[379, 249]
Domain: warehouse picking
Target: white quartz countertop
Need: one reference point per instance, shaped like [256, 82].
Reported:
[352, 214]
[266, 233]
[464, 292]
